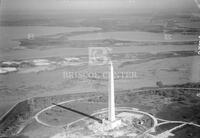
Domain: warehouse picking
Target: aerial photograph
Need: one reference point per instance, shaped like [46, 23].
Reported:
[99, 68]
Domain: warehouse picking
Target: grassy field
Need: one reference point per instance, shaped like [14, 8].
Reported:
[183, 104]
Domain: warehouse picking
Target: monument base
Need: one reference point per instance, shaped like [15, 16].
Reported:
[110, 125]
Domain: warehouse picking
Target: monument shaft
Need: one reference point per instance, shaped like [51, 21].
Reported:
[111, 96]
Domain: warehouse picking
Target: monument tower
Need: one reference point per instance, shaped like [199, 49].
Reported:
[111, 95]
[112, 121]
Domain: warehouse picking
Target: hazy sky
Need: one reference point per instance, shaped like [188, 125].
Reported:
[17, 5]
